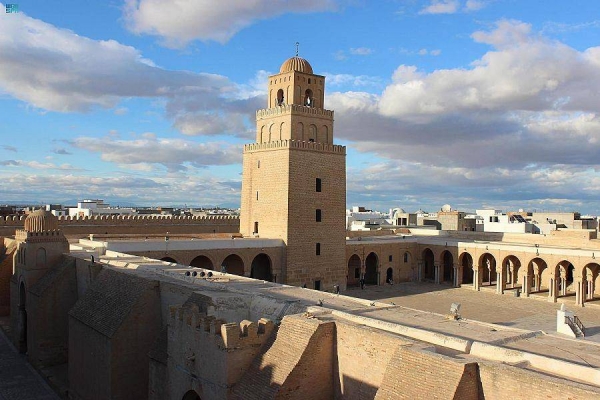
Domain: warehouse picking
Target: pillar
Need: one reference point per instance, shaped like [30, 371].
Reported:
[525, 285]
[591, 285]
[552, 289]
[579, 293]
[563, 283]
[419, 271]
[499, 282]
[457, 275]
[477, 278]
[436, 272]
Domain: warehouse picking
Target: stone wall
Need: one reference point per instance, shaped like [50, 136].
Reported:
[502, 382]
[135, 224]
[7, 250]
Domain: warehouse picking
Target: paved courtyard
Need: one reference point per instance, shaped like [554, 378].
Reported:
[18, 380]
[524, 313]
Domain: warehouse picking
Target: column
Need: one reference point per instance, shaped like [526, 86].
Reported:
[476, 278]
[552, 289]
[436, 272]
[457, 275]
[525, 286]
[590, 285]
[419, 271]
[563, 284]
[499, 282]
[579, 293]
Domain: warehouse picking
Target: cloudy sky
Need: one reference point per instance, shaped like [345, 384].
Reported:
[475, 103]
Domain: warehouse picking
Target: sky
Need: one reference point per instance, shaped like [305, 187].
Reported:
[472, 103]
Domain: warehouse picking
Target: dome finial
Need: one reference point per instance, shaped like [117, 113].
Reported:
[297, 45]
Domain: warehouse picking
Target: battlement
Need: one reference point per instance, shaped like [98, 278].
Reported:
[296, 144]
[228, 336]
[125, 219]
[54, 235]
[288, 108]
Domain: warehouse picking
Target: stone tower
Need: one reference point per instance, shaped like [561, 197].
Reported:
[294, 179]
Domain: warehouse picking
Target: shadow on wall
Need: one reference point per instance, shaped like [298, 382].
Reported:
[355, 389]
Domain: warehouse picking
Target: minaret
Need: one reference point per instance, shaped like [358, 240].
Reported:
[294, 179]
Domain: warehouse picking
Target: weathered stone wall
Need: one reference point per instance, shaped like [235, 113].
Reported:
[49, 302]
[362, 358]
[502, 382]
[417, 374]
[7, 250]
[135, 224]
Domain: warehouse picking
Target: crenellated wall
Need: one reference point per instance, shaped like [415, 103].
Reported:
[132, 224]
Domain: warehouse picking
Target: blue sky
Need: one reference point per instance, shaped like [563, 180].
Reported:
[475, 103]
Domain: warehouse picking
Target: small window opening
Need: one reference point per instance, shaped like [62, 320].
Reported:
[318, 215]
[318, 185]
[318, 249]
[390, 258]
[255, 226]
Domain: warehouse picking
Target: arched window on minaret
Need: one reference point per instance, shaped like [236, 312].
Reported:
[300, 132]
[312, 135]
[280, 97]
[308, 98]
[281, 131]
[324, 134]
[262, 134]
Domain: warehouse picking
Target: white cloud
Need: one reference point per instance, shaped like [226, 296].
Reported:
[520, 124]
[334, 80]
[55, 69]
[360, 51]
[474, 5]
[173, 154]
[441, 7]
[183, 21]
[39, 165]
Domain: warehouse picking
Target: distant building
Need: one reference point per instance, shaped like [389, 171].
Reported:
[361, 219]
[88, 208]
[497, 221]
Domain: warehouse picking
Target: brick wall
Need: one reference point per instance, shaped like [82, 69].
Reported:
[6, 269]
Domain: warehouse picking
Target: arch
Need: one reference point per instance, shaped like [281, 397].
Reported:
[309, 100]
[40, 258]
[533, 275]
[191, 395]
[389, 275]
[270, 98]
[353, 276]
[371, 269]
[591, 272]
[318, 99]
[324, 134]
[297, 94]
[487, 267]
[466, 263]
[202, 262]
[312, 133]
[22, 326]
[280, 98]
[510, 271]
[271, 132]
[447, 266]
[261, 268]
[428, 264]
[564, 273]
[262, 134]
[287, 93]
[300, 132]
[281, 127]
[169, 259]
[407, 257]
[233, 264]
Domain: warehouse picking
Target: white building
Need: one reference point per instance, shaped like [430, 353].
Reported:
[88, 208]
[497, 221]
[361, 219]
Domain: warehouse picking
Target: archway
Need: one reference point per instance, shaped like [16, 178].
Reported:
[487, 267]
[202, 262]
[353, 270]
[261, 268]
[190, 395]
[467, 268]
[591, 272]
[564, 276]
[22, 327]
[233, 264]
[308, 98]
[389, 275]
[169, 260]
[371, 266]
[280, 98]
[533, 279]
[428, 266]
[448, 266]
[510, 271]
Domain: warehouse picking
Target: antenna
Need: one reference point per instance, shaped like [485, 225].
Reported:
[297, 45]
